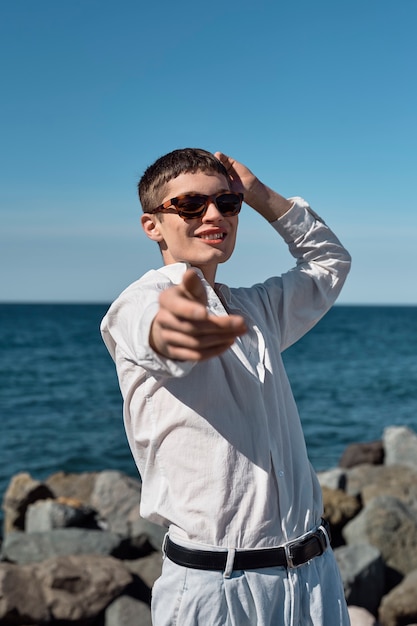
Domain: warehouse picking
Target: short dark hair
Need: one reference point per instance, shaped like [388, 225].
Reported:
[171, 165]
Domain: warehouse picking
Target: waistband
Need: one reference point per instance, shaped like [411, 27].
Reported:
[291, 555]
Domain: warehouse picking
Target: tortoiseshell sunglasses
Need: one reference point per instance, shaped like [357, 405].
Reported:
[192, 205]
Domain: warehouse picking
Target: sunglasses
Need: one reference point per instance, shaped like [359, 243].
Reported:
[192, 205]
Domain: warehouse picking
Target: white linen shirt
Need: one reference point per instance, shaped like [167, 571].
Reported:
[218, 443]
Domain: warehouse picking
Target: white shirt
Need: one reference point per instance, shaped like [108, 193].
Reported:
[218, 443]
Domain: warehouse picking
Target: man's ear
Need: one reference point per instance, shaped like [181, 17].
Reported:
[150, 225]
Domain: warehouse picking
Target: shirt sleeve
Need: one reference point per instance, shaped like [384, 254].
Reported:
[126, 326]
[306, 292]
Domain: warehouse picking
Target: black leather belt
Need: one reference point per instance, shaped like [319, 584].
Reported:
[293, 554]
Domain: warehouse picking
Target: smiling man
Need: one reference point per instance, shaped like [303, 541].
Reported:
[208, 409]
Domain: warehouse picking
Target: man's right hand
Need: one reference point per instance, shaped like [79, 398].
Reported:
[184, 330]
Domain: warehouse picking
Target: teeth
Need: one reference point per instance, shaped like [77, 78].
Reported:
[213, 236]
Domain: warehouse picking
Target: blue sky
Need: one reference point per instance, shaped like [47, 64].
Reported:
[319, 99]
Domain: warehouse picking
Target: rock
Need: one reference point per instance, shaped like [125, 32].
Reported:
[363, 574]
[339, 508]
[387, 524]
[400, 605]
[148, 568]
[72, 589]
[21, 608]
[333, 479]
[126, 611]
[359, 453]
[46, 515]
[369, 481]
[22, 491]
[400, 445]
[80, 587]
[25, 548]
[144, 530]
[117, 498]
[77, 486]
[361, 617]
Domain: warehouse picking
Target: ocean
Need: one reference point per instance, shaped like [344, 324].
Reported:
[60, 407]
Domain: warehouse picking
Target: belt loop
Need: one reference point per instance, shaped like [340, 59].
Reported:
[324, 529]
[228, 569]
[164, 545]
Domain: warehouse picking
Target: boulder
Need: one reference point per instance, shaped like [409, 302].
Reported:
[399, 606]
[68, 485]
[70, 590]
[16, 607]
[361, 617]
[334, 478]
[363, 574]
[25, 548]
[125, 611]
[369, 481]
[400, 445]
[339, 508]
[22, 491]
[145, 531]
[148, 568]
[116, 497]
[390, 526]
[45, 515]
[359, 453]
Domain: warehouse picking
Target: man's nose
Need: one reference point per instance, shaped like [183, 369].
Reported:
[212, 213]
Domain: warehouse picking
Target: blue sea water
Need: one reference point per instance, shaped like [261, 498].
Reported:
[60, 407]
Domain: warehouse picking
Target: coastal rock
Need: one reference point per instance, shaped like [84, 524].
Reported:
[125, 611]
[369, 481]
[117, 498]
[400, 445]
[400, 605]
[25, 548]
[388, 524]
[68, 485]
[73, 589]
[17, 607]
[339, 508]
[363, 574]
[361, 617]
[46, 515]
[145, 531]
[148, 568]
[334, 478]
[360, 453]
[80, 587]
[22, 491]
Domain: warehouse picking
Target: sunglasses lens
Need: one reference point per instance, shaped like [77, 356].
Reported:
[191, 205]
[229, 203]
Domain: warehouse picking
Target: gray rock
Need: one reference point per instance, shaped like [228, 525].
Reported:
[125, 611]
[45, 515]
[25, 548]
[116, 497]
[148, 568]
[400, 445]
[143, 529]
[22, 491]
[400, 605]
[334, 478]
[363, 575]
[390, 526]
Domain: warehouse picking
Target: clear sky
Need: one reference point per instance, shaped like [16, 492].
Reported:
[319, 99]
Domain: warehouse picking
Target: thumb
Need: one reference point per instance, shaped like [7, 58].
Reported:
[194, 288]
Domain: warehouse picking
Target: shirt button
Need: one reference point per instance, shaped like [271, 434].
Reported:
[281, 473]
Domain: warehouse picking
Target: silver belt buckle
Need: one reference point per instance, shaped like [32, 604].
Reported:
[288, 555]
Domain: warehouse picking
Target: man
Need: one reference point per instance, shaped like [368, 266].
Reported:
[208, 410]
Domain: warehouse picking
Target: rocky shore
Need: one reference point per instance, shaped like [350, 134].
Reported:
[76, 552]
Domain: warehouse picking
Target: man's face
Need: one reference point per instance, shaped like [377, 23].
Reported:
[205, 241]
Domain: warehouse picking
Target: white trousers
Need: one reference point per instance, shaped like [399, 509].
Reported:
[310, 595]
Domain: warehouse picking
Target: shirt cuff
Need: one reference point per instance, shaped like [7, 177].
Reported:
[297, 221]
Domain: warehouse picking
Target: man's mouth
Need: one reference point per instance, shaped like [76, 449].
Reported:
[211, 236]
